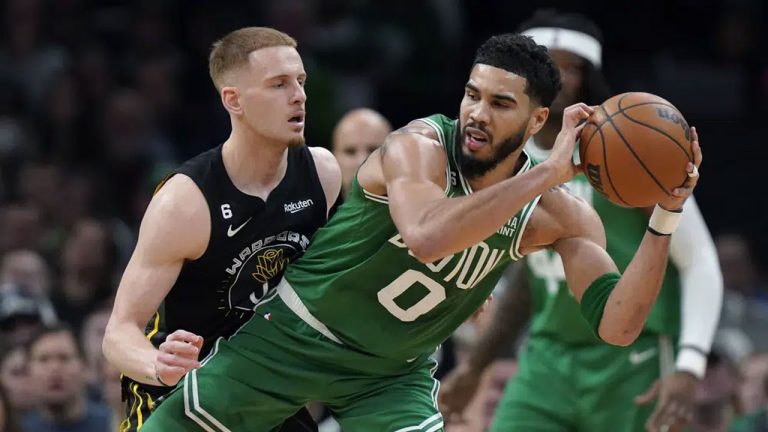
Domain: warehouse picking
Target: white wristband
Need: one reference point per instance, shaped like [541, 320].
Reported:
[664, 222]
[692, 361]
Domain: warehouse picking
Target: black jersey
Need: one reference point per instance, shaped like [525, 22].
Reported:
[250, 244]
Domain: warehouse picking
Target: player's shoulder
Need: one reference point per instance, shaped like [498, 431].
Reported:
[328, 171]
[178, 196]
[433, 127]
[323, 158]
[177, 221]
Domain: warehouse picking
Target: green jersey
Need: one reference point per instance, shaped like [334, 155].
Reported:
[361, 282]
[556, 313]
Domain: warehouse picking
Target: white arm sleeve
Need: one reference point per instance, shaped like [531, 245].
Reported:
[693, 253]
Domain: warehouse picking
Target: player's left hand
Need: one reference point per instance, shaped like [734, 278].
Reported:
[674, 409]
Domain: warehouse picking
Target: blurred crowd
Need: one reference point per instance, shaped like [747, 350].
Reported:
[100, 99]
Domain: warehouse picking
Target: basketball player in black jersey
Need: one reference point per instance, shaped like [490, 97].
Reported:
[220, 230]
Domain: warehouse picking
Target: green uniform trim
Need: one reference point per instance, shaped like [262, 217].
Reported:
[594, 299]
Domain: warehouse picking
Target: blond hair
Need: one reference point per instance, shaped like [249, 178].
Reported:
[231, 51]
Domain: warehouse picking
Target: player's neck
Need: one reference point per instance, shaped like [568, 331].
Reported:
[504, 170]
[255, 167]
[545, 139]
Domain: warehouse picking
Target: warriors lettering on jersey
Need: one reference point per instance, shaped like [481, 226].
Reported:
[481, 258]
[262, 261]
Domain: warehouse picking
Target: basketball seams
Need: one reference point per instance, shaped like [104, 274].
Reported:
[631, 150]
[605, 164]
[662, 132]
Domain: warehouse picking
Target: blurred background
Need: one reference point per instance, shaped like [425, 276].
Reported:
[99, 99]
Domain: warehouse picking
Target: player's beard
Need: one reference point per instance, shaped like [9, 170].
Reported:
[472, 167]
[296, 142]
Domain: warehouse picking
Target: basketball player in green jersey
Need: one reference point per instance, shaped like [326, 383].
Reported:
[567, 379]
[431, 222]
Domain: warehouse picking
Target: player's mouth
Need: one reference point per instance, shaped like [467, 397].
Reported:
[297, 120]
[475, 139]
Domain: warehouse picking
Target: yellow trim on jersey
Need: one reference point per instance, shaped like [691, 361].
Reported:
[156, 326]
[139, 417]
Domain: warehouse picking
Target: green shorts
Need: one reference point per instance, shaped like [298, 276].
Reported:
[277, 363]
[590, 388]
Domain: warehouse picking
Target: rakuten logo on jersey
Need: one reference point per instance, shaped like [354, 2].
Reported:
[295, 207]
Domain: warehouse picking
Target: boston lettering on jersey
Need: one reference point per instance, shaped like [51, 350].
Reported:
[363, 284]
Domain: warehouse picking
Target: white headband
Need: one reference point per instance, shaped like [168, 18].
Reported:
[574, 41]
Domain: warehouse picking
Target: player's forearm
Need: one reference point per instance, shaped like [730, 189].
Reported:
[446, 226]
[632, 299]
[510, 316]
[126, 347]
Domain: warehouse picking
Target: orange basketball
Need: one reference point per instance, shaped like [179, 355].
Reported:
[635, 148]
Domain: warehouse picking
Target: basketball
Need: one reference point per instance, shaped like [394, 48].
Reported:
[634, 149]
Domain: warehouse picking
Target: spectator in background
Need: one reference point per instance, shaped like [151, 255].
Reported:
[7, 418]
[87, 271]
[14, 378]
[21, 314]
[25, 57]
[752, 393]
[715, 403]
[358, 134]
[758, 420]
[57, 371]
[28, 270]
[21, 226]
[91, 337]
[745, 301]
[111, 393]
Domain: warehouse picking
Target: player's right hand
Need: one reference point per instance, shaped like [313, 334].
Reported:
[681, 194]
[561, 159]
[457, 390]
[177, 356]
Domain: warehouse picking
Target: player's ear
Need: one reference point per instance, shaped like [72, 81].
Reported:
[230, 98]
[538, 118]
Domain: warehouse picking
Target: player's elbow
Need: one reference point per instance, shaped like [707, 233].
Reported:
[421, 245]
[113, 337]
[615, 335]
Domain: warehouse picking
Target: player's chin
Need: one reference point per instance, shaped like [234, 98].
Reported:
[296, 140]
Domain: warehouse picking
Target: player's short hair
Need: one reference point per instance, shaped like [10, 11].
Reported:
[521, 56]
[231, 51]
[594, 88]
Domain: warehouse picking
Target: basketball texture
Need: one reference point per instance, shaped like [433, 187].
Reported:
[634, 149]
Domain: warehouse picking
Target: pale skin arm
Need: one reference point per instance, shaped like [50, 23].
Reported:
[329, 173]
[411, 170]
[176, 227]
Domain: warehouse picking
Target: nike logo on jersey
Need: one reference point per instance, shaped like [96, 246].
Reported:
[636, 358]
[295, 207]
[231, 232]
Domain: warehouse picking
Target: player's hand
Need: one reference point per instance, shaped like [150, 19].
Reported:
[177, 356]
[679, 195]
[457, 390]
[674, 409]
[561, 159]
[482, 310]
